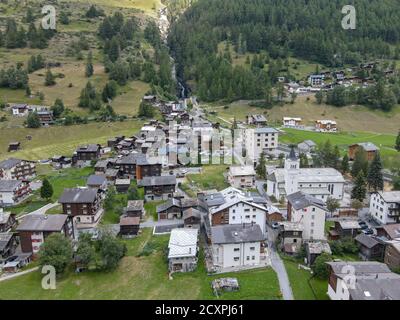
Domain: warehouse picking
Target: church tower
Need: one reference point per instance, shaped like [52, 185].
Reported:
[292, 162]
[291, 171]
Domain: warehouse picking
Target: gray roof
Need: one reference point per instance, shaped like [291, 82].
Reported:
[349, 224]
[367, 241]
[318, 247]
[41, 222]
[368, 146]
[9, 163]
[265, 130]
[300, 200]
[5, 239]
[214, 199]
[191, 212]
[361, 268]
[9, 185]
[96, 180]
[292, 154]
[88, 148]
[168, 204]
[135, 205]
[157, 181]
[390, 196]
[376, 289]
[78, 195]
[236, 233]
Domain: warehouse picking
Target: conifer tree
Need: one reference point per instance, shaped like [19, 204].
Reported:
[360, 189]
[375, 177]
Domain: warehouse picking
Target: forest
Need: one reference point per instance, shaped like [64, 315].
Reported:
[307, 29]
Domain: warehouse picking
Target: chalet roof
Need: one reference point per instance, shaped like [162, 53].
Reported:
[78, 195]
[236, 233]
[265, 130]
[122, 182]
[390, 196]
[9, 163]
[376, 289]
[291, 226]
[9, 185]
[102, 164]
[361, 268]
[157, 181]
[129, 221]
[349, 224]
[168, 204]
[96, 180]
[367, 241]
[300, 200]
[393, 230]
[41, 222]
[88, 148]
[318, 247]
[367, 146]
[238, 171]
[191, 213]
[135, 205]
[183, 243]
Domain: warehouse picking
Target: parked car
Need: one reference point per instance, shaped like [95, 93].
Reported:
[368, 231]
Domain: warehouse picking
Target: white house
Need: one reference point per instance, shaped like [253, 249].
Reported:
[13, 191]
[14, 169]
[362, 280]
[236, 245]
[260, 140]
[182, 249]
[316, 80]
[321, 183]
[241, 176]
[326, 126]
[238, 208]
[291, 122]
[385, 206]
[308, 211]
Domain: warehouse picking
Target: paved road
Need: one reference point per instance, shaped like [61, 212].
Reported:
[15, 275]
[41, 210]
[279, 267]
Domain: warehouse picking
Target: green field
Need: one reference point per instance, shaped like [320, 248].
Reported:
[61, 140]
[144, 277]
[211, 177]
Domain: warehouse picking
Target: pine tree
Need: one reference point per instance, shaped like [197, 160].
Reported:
[397, 145]
[375, 177]
[261, 167]
[46, 191]
[360, 163]
[89, 65]
[49, 80]
[345, 164]
[360, 189]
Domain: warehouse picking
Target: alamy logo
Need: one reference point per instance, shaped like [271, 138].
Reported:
[349, 20]
[49, 20]
[349, 280]
[49, 280]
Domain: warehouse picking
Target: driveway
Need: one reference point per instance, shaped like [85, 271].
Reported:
[278, 266]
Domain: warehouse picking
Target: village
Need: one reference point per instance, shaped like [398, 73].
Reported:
[271, 206]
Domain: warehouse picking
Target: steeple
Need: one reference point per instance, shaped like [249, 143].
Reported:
[292, 154]
[292, 162]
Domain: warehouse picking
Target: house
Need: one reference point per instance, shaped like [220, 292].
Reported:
[101, 166]
[256, 119]
[315, 249]
[192, 218]
[261, 139]
[174, 208]
[242, 176]
[390, 231]
[392, 255]
[135, 208]
[384, 207]
[8, 245]
[362, 280]
[368, 147]
[183, 249]
[127, 165]
[345, 229]
[273, 215]
[97, 182]
[320, 183]
[371, 248]
[14, 146]
[147, 167]
[112, 175]
[17, 169]
[13, 192]
[150, 99]
[316, 80]
[236, 245]
[310, 212]
[61, 162]
[129, 226]
[307, 146]
[17, 261]
[83, 205]
[20, 110]
[45, 116]
[87, 153]
[290, 122]
[291, 235]
[7, 221]
[34, 229]
[158, 188]
[122, 185]
[325, 126]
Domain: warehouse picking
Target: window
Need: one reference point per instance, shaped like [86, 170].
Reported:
[253, 258]
[236, 259]
[233, 217]
[236, 249]
[313, 209]
[254, 216]
[247, 217]
[246, 210]
[248, 258]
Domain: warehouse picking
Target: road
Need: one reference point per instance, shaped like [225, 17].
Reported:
[279, 267]
[41, 210]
